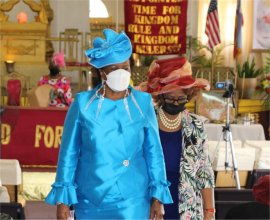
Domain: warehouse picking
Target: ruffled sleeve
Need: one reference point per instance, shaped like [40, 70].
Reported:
[63, 193]
[159, 186]
[64, 188]
[160, 190]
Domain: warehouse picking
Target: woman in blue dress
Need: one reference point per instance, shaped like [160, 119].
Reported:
[111, 163]
[183, 139]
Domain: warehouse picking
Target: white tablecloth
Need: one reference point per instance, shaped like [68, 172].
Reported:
[10, 172]
[239, 132]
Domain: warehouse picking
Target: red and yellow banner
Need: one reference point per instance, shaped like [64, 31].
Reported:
[156, 27]
[32, 136]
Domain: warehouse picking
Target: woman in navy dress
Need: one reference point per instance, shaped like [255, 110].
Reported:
[183, 139]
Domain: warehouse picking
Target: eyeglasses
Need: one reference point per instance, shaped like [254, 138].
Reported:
[175, 100]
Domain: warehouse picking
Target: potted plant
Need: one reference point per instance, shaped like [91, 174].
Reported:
[264, 88]
[267, 63]
[247, 78]
[203, 56]
[264, 83]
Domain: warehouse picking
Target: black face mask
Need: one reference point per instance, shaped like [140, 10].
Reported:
[173, 109]
[54, 71]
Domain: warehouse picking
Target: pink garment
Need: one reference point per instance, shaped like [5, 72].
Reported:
[61, 86]
[14, 92]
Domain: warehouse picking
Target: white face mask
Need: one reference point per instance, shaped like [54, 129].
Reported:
[118, 80]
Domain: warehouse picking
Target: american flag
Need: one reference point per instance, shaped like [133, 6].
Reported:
[239, 21]
[212, 25]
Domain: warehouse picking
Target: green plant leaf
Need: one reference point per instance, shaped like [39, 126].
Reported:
[217, 57]
[248, 70]
[266, 69]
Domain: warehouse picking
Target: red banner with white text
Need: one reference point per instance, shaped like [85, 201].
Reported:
[32, 136]
[156, 27]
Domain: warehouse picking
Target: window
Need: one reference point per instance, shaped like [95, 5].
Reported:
[97, 9]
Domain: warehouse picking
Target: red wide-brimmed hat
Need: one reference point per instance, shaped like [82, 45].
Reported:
[261, 190]
[169, 75]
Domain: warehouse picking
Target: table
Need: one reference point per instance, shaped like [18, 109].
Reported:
[30, 131]
[239, 132]
[11, 174]
[32, 136]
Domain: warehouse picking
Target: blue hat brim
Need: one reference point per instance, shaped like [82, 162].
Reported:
[114, 59]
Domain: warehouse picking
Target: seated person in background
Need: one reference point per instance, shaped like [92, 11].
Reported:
[260, 208]
[62, 96]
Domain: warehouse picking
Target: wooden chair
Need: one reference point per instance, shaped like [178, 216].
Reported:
[85, 61]
[139, 74]
[87, 43]
[71, 43]
[25, 83]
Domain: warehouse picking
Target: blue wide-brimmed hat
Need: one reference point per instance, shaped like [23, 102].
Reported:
[115, 48]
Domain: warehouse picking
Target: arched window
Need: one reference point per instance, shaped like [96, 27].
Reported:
[97, 9]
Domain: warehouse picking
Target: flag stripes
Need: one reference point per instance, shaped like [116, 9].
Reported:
[212, 25]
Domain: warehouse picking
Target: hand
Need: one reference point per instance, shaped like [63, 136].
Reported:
[58, 94]
[61, 96]
[62, 212]
[157, 210]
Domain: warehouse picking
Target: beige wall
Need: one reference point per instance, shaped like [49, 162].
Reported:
[74, 14]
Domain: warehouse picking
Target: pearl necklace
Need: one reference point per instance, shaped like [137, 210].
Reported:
[171, 124]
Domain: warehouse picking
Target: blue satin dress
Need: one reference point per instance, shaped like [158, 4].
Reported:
[110, 162]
